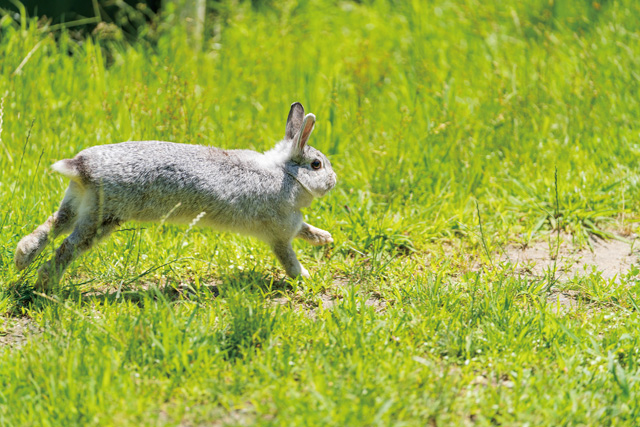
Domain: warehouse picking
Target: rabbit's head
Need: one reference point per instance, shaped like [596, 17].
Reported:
[307, 165]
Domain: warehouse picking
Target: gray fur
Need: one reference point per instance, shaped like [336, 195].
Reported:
[258, 194]
[294, 120]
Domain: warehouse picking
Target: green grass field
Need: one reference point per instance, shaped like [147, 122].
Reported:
[458, 130]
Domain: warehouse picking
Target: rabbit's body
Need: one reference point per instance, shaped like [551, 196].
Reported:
[238, 190]
[242, 191]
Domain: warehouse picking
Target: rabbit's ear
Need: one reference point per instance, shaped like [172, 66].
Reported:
[294, 121]
[303, 135]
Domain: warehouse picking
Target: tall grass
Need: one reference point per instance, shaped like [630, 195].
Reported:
[438, 117]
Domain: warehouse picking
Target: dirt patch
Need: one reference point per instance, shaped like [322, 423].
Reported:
[329, 302]
[611, 258]
[567, 301]
[15, 331]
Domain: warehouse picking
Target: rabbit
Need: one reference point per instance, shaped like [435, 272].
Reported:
[243, 191]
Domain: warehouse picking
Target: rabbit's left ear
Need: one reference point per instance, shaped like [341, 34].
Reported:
[294, 121]
[302, 136]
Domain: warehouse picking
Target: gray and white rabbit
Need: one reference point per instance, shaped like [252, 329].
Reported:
[259, 194]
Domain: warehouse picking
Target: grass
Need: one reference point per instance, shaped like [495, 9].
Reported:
[456, 128]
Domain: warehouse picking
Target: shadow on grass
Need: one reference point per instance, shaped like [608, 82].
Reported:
[259, 284]
[250, 282]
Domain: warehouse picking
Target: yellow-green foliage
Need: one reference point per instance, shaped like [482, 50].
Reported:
[435, 114]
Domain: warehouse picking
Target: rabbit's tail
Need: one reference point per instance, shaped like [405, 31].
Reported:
[69, 168]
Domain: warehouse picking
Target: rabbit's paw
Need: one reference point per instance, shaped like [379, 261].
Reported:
[315, 236]
[47, 277]
[322, 237]
[304, 273]
[25, 252]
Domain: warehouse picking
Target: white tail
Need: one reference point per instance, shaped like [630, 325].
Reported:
[67, 168]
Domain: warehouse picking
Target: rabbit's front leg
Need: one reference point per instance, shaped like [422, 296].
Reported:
[287, 257]
[313, 235]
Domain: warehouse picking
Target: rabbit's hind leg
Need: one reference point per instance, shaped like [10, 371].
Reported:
[89, 229]
[287, 257]
[313, 235]
[60, 222]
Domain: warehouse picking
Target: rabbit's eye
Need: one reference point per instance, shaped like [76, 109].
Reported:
[316, 164]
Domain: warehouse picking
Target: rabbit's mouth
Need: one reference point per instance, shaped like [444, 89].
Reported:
[313, 192]
[334, 181]
[331, 182]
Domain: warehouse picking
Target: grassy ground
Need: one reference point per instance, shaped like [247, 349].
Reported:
[457, 129]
